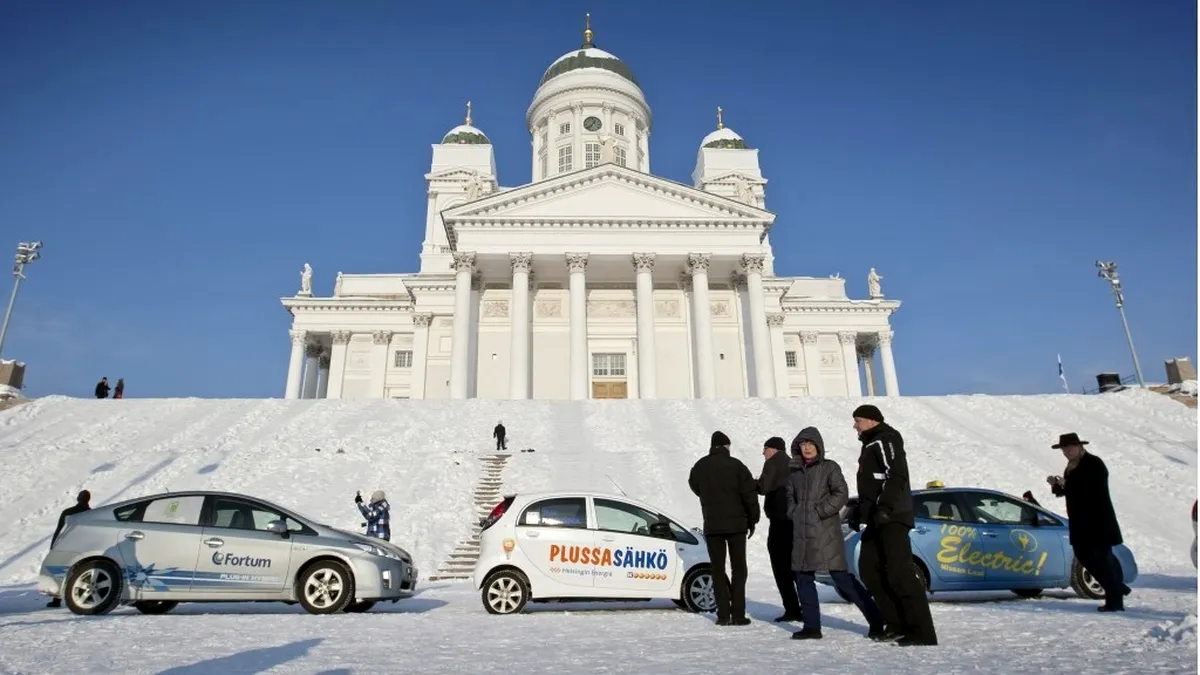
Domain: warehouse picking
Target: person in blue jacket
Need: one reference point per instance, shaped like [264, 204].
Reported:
[377, 514]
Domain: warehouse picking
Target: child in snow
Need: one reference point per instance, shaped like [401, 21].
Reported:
[376, 513]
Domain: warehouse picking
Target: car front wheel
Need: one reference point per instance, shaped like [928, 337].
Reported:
[1084, 584]
[698, 593]
[505, 592]
[94, 587]
[155, 606]
[325, 588]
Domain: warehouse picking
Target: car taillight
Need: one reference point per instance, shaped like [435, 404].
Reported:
[496, 514]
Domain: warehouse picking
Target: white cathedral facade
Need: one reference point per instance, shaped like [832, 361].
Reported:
[597, 279]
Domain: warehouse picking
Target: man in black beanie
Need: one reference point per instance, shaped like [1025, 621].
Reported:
[885, 559]
[772, 484]
[82, 503]
[729, 502]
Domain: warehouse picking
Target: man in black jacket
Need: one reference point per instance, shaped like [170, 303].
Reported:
[772, 484]
[729, 502]
[498, 433]
[81, 505]
[885, 561]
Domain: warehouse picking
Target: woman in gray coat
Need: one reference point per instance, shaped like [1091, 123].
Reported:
[816, 493]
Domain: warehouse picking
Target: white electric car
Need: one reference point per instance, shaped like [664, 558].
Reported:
[576, 546]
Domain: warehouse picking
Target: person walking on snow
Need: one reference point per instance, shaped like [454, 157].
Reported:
[885, 508]
[498, 434]
[377, 514]
[82, 503]
[816, 493]
[772, 484]
[1092, 519]
[119, 392]
[729, 504]
[102, 388]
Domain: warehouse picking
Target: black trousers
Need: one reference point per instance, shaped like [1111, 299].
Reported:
[730, 592]
[885, 565]
[779, 548]
[1104, 567]
[501, 444]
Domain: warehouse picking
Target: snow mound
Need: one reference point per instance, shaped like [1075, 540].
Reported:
[1183, 630]
[9, 391]
[1187, 388]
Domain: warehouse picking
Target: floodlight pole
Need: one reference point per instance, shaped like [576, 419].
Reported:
[1108, 272]
[26, 253]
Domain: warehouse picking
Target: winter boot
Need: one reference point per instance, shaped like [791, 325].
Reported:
[914, 641]
[807, 634]
[54, 603]
[788, 617]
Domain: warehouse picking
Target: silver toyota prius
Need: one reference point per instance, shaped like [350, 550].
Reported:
[158, 551]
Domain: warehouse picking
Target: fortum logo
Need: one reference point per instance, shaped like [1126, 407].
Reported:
[232, 560]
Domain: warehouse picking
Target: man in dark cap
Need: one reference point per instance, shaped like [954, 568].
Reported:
[81, 505]
[729, 502]
[772, 484]
[885, 559]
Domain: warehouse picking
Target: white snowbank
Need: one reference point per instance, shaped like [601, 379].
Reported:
[9, 391]
[1183, 630]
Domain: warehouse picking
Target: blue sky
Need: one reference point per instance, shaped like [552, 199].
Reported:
[181, 161]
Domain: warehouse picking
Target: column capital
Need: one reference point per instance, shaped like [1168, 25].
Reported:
[423, 319]
[753, 262]
[865, 350]
[577, 262]
[885, 337]
[809, 337]
[340, 337]
[643, 262]
[737, 280]
[775, 320]
[520, 262]
[463, 260]
[313, 351]
[323, 362]
[382, 337]
[299, 337]
[848, 337]
[699, 262]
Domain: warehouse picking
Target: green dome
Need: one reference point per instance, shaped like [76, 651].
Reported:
[587, 57]
[465, 134]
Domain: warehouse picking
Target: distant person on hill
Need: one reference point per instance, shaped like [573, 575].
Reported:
[772, 484]
[885, 558]
[376, 512]
[1092, 519]
[81, 504]
[102, 388]
[498, 434]
[729, 502]
[119, 392]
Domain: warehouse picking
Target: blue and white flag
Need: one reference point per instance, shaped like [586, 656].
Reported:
[1062, 375]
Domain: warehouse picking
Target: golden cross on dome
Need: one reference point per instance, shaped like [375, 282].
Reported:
[587, 30]
[720, 121]
[468, 113]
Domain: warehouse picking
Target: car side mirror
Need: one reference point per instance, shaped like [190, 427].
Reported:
[278, 527]
[661, 529]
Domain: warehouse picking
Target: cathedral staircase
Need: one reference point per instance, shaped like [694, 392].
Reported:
[460, 564]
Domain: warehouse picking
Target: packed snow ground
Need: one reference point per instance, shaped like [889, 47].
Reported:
[425, 454]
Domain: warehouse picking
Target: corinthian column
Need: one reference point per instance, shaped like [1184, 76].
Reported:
[764, 375]
[890, 383]
[647, 377]
[460, 341]
[295, 364]
[810, 343]
[849, 340]
[337, 362]
[698, 264]
[312, 355]
[421, 323]
[518, 374]
[577, 268]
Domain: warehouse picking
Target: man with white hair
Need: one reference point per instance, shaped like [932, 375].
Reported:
[376, 512]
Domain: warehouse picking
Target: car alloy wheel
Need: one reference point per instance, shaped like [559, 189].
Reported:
[327, 588]
[698, 592]
[94, 587]
[505, 593]
[1092, 585]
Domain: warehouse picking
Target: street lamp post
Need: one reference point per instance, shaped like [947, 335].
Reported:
[1108, 272]
[26, 253]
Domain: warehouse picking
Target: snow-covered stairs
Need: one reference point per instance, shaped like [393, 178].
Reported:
[460, 563]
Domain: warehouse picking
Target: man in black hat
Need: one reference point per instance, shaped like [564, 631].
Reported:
[81, 504]
[729, 502]
[885, 559]
[772, 484]
[1091, 518]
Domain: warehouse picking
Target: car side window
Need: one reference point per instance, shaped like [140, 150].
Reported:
[174, 510]
[131, 513]
[998, 510]
[614, 516]
[937, 506]
[239, 514]
[562, 512]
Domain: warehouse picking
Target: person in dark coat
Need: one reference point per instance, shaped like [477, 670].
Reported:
[1091, 518]
[729, 502]
[772, 484]
[885, 558]
[119, 392]
[102, 388]
[82, 503]
[816, 493]
[498, 434]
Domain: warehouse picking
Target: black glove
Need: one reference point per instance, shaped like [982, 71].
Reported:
[750, 533]
[357, 498]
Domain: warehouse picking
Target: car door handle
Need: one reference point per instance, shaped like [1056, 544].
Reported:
[988, 534]
[135, 535]
[607, 537]
[921, 529]
[214, 542]
[532, 535]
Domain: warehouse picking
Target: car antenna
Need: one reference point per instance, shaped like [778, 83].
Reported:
[615, 483]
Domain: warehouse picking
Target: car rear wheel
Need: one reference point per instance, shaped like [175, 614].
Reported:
[360, 607]
[1027, 592]
[325, 588]
[155, 606]
[505, 592]
[697, 591]
[94, 587]
[1084, 584]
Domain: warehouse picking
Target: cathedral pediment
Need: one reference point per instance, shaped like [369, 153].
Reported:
[609, 193]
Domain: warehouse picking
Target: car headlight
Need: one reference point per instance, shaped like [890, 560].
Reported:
[375, 550]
